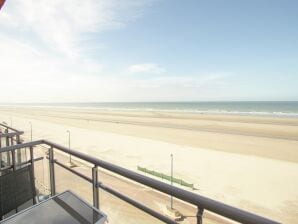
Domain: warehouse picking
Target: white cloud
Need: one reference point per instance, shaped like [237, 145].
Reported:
[59, 24]
[43, 47]
[42, 56]
[149, 68]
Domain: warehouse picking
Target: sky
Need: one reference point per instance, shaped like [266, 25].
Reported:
[148, 50]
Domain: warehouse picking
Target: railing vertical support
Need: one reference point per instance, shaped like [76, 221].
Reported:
[13, 158]
[0, 156]
[200, 215]
[95, 187]
[19, 152]
[52, 171]
[33, 174]
[18, 139]
[7, 153]
[7, 138]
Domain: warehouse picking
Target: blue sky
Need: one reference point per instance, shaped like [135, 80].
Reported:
[149, 50]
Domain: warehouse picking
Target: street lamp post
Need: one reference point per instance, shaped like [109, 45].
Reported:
[172, 179]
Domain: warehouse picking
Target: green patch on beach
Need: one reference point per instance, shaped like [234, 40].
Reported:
[166, 177]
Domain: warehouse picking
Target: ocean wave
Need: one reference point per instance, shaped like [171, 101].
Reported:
[114, 107]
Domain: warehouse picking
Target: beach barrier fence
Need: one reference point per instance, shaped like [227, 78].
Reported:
[166, 177]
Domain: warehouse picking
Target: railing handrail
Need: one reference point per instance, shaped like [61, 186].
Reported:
[201, 202]
[13, 129]
[10, 134]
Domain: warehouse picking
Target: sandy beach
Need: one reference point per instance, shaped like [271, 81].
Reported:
[245, 161]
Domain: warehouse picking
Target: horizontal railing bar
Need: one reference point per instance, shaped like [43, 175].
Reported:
[21, 164]
[121, 196]
[35, 160]
[6, 168]
[20, 146]
[10, 128]
[219, 208]
[11, 134]
[137, 204]
[73, 171]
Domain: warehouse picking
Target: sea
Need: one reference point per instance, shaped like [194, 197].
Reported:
[262, 108]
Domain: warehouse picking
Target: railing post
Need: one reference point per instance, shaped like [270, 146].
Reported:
[18, 139]
[19, 152]
[52, 171]
[13, 158]
[7, 138]
[7, 144]
[200, 215]
[33, 174]
[0, 161]
[0, 155]
[95, 187]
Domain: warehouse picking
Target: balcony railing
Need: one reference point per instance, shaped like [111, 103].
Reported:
[200, 202]
[11, 135]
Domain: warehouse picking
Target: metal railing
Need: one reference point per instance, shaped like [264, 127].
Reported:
[9, 137]
[202, 203]
[10, 134]
[10, 129]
